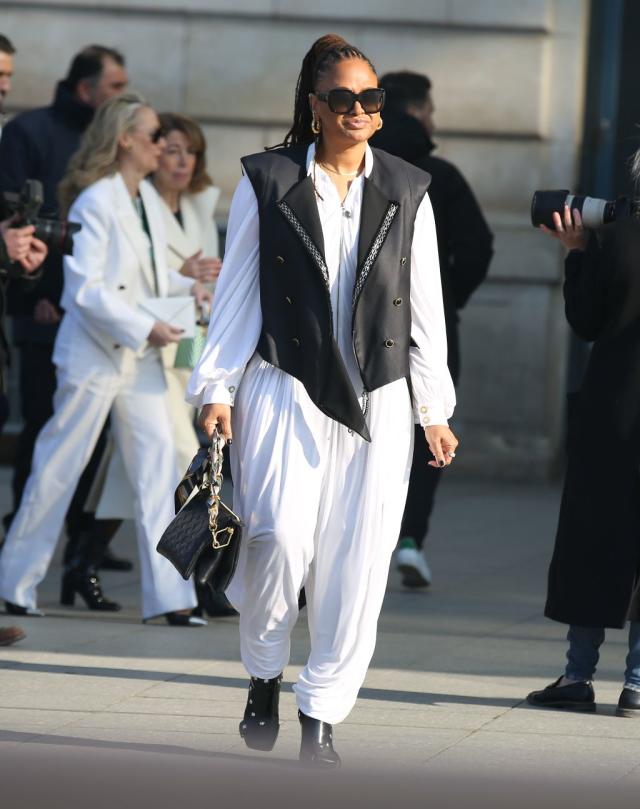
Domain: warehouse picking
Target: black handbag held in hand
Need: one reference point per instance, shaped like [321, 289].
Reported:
[203, 539]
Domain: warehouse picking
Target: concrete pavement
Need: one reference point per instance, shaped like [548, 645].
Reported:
[443, 699]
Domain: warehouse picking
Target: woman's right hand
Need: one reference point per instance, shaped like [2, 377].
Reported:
[569, 231]
[216, 414]
[164, 333]
[201, 269]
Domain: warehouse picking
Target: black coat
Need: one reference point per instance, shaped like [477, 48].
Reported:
[594, 569]
[464, 239]
[38, 144]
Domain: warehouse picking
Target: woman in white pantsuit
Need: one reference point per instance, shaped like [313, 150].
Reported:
[328, 318]
[187, 199]
[108, 360]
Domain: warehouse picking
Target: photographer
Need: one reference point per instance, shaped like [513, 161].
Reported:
[18, 246]
[593, 575]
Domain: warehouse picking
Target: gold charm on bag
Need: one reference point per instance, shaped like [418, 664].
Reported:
[220, 538]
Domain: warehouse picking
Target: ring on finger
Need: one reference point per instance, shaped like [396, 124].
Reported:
[451, 454]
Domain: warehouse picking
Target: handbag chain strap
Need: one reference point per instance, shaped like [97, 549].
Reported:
[215, 484]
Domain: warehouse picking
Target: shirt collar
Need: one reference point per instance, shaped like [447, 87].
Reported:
[368, 159]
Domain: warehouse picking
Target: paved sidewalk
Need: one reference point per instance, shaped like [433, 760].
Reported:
[443, 698]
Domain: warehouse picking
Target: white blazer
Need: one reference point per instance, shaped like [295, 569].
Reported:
[108, 275]
[199, 231]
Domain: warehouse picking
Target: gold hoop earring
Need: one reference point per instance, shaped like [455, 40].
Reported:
[380, 124]
[315, 125]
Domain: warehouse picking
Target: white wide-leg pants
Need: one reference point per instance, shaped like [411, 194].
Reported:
[142, 429]
[322, 509]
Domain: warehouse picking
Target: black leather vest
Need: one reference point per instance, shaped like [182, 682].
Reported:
[297, 322]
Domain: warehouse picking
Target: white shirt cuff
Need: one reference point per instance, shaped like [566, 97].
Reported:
[430, 415]
[216, 393]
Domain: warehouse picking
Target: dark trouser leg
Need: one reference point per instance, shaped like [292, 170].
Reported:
[423, 482]
[78, 520]
[37, 382]
[4, 410]
[584, 652]
[632, 673]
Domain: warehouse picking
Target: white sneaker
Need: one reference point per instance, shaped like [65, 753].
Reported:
[412, 564]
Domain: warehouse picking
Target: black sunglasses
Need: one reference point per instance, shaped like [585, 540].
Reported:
[156, 135]
[341, 100]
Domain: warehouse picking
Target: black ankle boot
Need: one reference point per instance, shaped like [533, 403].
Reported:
[261, 723]
[86, 583]
[316, 747]
[81, 576]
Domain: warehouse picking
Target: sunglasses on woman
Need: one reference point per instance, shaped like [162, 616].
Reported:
[341, 100]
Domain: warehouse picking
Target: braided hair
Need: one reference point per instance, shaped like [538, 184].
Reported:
[320, 58]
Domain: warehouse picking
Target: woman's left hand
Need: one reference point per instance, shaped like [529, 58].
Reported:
[202, 294]
[568, 230]
[442, 443]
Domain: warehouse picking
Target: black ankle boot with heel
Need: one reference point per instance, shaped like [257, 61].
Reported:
[81, 575]
[261, 723]
[316, 748]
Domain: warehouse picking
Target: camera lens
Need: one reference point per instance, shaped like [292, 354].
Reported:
[57, 235]
[544, 204]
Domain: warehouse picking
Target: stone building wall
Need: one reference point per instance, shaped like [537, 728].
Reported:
[508, 86]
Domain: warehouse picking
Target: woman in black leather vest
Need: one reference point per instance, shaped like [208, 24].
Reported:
[328, 322]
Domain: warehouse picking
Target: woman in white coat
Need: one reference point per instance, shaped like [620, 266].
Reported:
[327, 339]
[187, 199]
[107, 356]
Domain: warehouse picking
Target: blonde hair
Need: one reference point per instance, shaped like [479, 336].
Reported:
[97, 156]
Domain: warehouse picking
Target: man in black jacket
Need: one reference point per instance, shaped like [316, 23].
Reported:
[465, 248]
[38, 144]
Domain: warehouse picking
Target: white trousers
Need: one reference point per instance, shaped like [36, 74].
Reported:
[141, 423]
[322, 509]
[113, 497]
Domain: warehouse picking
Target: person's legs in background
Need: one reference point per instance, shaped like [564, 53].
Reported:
[8, 634]
[62, 451]
[37, 384]
[574, 690]
[629, 702]
[87, 537]
[583, 653]
[423, 483]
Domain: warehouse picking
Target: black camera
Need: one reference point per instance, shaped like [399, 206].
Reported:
[25, 206]
[594, 212]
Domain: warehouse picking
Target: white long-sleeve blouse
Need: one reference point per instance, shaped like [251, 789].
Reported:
[237, 318]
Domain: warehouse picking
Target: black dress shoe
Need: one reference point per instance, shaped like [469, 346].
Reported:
[574, 697]
[261, 723]
[16, 609]
[110, 561]
[182, 619]
[316, 748]
[629, 703]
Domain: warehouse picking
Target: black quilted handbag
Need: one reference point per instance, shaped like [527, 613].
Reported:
[203, 539]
